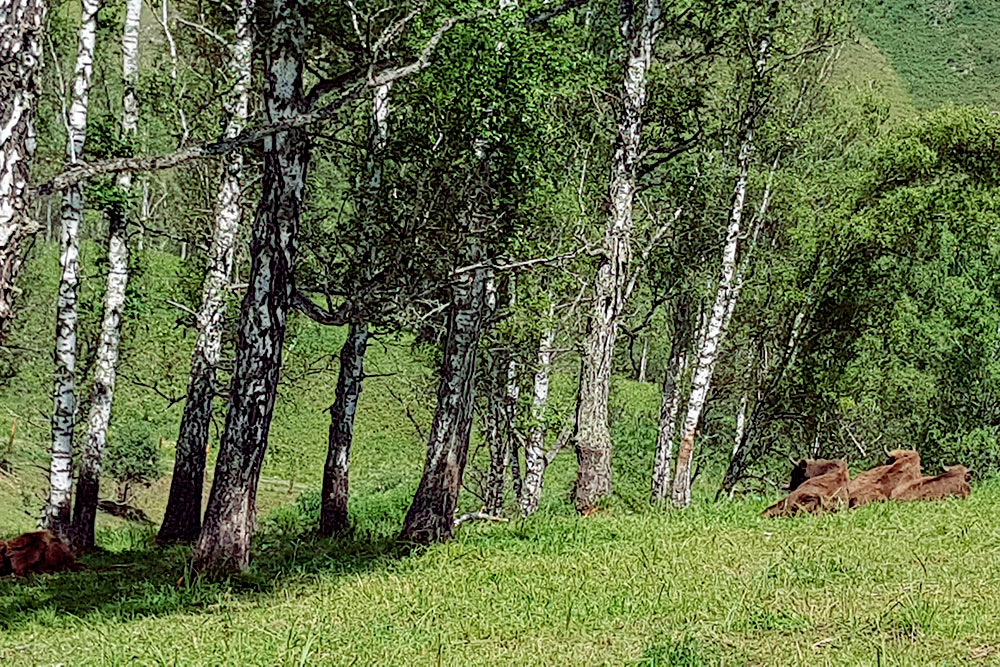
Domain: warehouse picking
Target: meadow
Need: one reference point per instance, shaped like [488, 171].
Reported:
[887, 584]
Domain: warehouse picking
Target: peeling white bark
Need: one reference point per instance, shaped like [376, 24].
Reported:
[57, 510]
[182, 519]
[726, 296]
[106, 361]
[665, 437]
[231, 517]
[21, 26]
[593, 435]
[534, 454]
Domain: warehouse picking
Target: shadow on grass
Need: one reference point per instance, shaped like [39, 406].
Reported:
[156, 581]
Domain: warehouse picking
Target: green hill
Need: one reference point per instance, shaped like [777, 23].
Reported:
[946, 51]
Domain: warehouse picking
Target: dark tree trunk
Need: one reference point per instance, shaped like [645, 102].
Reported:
[230, 517]
[499, 431]
[432, 513]
[182, 519]
[333, 512]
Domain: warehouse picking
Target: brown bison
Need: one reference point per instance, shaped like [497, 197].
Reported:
[825, 492]
[809, 468]
[954, 482]
[35, 552]
[878, 484]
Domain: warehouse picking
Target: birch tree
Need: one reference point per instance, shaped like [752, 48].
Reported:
[106, 362]
[432, 513]
[56, 515]
[182, 519]
[21, 26]
[230, 517]
[728, 286]
[535, 456]
[335, 490]
[638, 27]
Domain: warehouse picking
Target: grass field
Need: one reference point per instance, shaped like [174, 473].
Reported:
[886, 584]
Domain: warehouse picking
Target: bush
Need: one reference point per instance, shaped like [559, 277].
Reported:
[132, 457]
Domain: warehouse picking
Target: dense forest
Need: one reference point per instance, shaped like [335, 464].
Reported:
[401, 268]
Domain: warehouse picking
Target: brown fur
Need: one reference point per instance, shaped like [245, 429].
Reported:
[35, 552]
[877, 484]
[954, 482]
[808, 468]
[826, 492]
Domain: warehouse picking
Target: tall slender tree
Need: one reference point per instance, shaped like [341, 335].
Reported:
[56, 515]
[230, 517]
[106, 362]
[728, 287]
[21, 26]
[182, 519]
[638, 25]
[335, 490]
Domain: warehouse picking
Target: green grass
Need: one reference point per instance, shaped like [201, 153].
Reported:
[886, 584]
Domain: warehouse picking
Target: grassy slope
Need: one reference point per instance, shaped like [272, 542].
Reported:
[946, 51]
[889, 584]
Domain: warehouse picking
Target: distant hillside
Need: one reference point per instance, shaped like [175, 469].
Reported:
[944, 50]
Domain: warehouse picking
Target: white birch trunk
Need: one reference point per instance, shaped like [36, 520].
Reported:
[106, 361]
[182, 519]
[56, 514]
[534, 452]
[21, 26]
[593, 435]
[644, 359]
[231, 516]
[725, 301]
[709, 350]
[665, 437]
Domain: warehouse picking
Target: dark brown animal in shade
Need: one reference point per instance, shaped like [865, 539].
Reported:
[824, 493]
[877, 484]
[35, 552]
[953, 483]
[809, 468]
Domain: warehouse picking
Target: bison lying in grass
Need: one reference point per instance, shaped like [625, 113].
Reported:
[878, 483]
[35, 552]
[825, 485]
[953, 483]
[824, 492]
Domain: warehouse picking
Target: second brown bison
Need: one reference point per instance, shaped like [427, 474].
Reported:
[35, 552]
[953, 483]
[878, 483]
[824, 492]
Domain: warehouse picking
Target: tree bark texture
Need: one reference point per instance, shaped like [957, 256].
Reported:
[535, 461]
[333, 510]
[182, 520]
[593, 434]
[21, 26]
[230, 516]
[500, 429]
[88, 481]
[102, 397]
[725, 301]
[56, 514]
[431, 515]
[670, 401]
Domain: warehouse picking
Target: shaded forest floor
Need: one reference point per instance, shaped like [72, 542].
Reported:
[886, 584]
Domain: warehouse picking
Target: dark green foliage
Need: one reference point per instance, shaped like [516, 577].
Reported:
[132, 456]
